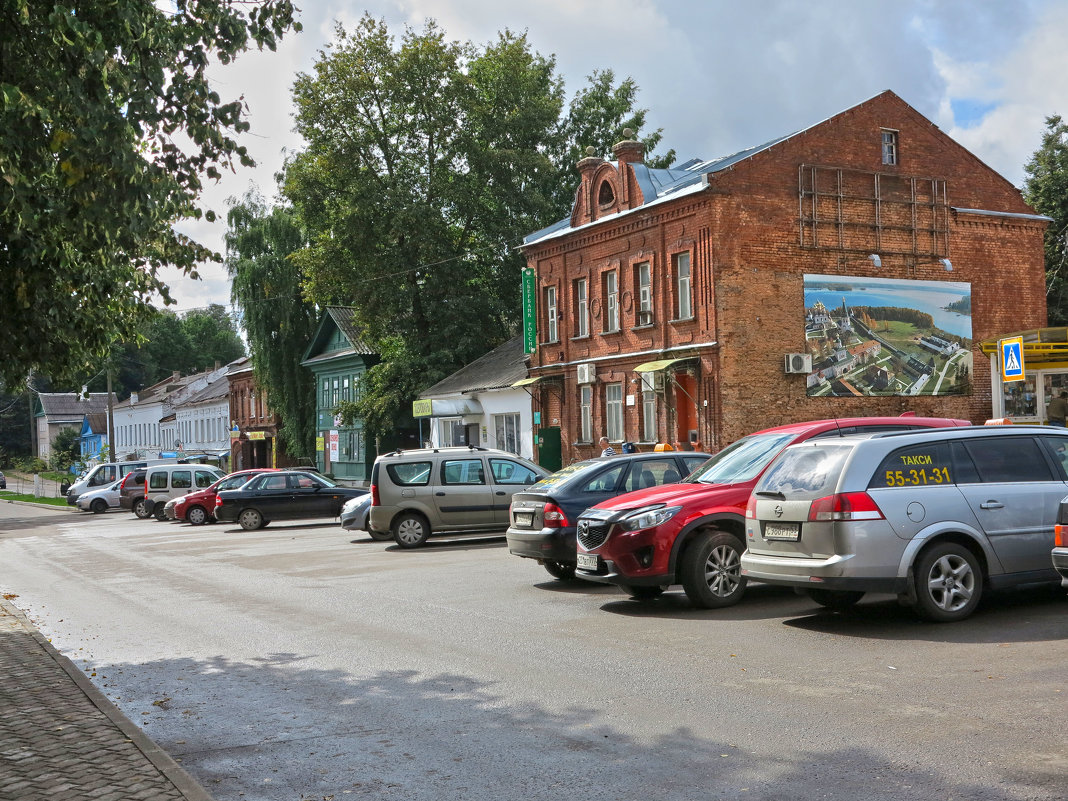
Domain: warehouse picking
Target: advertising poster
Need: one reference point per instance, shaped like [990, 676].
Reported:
[335, 442]
[888, 336]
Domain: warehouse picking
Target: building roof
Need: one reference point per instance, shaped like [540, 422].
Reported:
[71, 407]
[498, 369]
[342, 318]
[218, 387]
[98, 422]
[658, 185]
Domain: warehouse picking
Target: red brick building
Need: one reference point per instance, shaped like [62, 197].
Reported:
[254, 427]
[671, 300]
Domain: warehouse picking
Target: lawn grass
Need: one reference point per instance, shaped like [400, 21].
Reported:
[5, 495]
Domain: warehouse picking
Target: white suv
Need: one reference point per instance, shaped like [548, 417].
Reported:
[415, 493]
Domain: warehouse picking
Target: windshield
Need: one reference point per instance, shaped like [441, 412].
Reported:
[565, 473]
[742, 460]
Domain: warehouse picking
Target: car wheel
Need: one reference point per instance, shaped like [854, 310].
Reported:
[838, 601]
[140, 509]
[250, 519]
[159, 511]
[99, 506]
[564, 571]
[643, 593]
[196, 515]
[381, 536]
[410, 530]
[712, 570]
[949, 583]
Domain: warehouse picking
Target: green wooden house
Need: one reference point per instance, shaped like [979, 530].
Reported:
[338, 358]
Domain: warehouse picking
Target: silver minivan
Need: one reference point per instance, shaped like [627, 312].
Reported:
[933, 516]
[167, 481]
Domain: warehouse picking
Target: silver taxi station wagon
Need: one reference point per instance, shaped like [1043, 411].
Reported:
[933, 516]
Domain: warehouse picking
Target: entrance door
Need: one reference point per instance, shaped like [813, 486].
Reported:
[549, 455]
[685, 410]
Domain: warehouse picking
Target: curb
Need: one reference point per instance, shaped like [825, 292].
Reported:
[42, 505]
[160, 759]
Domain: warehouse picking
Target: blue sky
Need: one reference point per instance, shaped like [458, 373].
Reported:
[717, 76]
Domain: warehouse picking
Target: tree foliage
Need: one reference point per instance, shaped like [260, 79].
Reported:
[108, 126]
[1046, 189]
[427, 161]
[66, 449]
[277, 319]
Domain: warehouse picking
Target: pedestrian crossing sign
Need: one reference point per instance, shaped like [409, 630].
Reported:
[1012, 362]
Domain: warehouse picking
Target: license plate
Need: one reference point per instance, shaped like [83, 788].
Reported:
[588, 561]
[524, 518]
[782, 531]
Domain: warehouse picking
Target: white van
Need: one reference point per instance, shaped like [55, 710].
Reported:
[163, 482]
[100, 476]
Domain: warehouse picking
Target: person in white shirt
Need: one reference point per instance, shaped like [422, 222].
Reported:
[606, 449]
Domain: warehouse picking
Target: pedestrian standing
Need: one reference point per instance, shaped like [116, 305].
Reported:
[606, 448]
[1057, 410]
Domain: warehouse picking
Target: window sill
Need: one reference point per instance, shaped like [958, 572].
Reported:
[549, 342]
[613, 333]
[689, 319]
[643, 327]
[582, 336]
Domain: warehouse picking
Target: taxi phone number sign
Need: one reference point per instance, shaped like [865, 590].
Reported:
[1012, 360]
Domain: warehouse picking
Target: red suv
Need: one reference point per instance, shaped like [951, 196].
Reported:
[199, 507]
[693, 533]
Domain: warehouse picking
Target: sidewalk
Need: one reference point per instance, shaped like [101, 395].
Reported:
[61, 738]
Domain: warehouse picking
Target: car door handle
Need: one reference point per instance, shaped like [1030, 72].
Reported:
[440, 494]
[992, 505]
[501, 492]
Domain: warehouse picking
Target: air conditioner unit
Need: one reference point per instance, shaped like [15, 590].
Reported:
[645, 318]
[798, 363]
[586, 374]
[653, 382]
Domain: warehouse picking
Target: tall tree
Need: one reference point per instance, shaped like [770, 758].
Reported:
[1046, 189]
[213, 336]
[267, 287]
[427, 161]
[108, 126]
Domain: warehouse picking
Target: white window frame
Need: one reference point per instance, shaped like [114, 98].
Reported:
[613, 412]
[550, 313]
[645, 293]
[683, 286]
[582, 308]
[611, 301]
[506, 432]
[888, 138]
[586, 413]
[649, 426]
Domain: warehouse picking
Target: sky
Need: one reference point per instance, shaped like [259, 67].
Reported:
[716, 75]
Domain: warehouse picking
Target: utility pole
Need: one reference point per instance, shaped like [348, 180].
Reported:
[111, 421]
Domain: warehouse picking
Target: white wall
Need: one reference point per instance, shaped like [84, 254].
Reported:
[496, 401]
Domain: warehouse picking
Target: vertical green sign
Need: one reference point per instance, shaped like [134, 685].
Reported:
[530, 311]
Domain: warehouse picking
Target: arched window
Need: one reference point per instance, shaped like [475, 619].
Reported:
[606, 196]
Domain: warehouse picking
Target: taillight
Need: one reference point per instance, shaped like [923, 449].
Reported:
[750, 507]
[218, 501]
[375, 499]
[553, 516]
[845, 506]
[1060, 536]
[125, 478]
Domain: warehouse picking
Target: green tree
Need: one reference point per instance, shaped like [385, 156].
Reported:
[266, 286]
[66, 449]
[213, 337]
[427, 161]
[1046, 189]
[108, 126]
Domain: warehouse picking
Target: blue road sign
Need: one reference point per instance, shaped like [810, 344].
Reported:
[1012, 361]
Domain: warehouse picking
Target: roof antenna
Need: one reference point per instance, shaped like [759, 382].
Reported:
[838, 427]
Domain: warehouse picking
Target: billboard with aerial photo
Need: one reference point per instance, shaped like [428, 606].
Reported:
[887, 336]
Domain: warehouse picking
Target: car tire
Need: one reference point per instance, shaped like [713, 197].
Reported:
[711, 570]
[196, 515]
[562, 571]
[410, 530]
[140, 509]
[381, 536]
[251, 519]
[836, 601]
[643, 593]
[949, 583]
[159, 511]
[99, 506]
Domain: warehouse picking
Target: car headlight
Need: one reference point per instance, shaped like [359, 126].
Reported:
[648, 517]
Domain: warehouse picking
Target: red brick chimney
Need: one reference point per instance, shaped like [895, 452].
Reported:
[630, 150]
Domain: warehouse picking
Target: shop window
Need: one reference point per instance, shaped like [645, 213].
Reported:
[506, 429]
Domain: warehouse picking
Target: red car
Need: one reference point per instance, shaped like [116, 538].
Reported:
[693, 533]
[199, 507]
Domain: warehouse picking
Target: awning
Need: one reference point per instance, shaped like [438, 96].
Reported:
[526, 382]
[1041, 346]
[662, 364]
[445, 407]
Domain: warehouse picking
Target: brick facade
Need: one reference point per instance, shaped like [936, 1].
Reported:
[817, 202]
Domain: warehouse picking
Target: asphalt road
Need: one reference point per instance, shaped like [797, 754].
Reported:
[302, 662]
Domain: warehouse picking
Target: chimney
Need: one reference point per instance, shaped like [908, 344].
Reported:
[176, 375]
[84, 394]
[630, 150]
[133, 398]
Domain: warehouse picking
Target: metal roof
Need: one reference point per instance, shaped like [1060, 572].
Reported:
[500, 368]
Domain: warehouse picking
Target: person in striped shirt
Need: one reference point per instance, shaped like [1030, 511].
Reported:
[607, 449]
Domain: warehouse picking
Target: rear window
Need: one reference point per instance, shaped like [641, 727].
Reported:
[554, 480]
[742, 460]
[806, 470]
[409, 474]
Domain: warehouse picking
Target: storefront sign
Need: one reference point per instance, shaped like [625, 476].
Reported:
[257, 435]
[422, 408]
[530, 311]
[1012, 361]
[320, 444]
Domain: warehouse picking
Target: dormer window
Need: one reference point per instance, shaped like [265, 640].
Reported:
[889, 146]
[605, 196]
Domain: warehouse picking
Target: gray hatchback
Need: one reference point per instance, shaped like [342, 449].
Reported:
[932, 516]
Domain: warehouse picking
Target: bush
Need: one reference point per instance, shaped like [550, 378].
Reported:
[31, 465]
